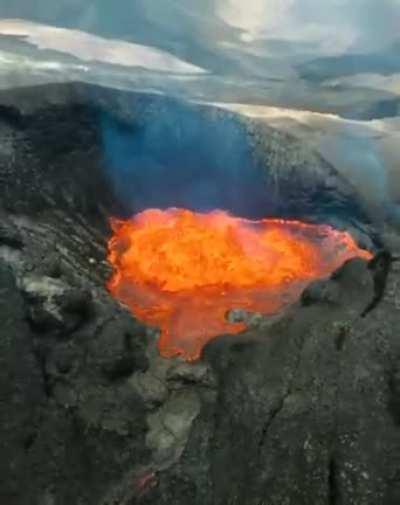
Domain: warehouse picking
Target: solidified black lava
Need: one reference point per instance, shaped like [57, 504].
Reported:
[300, 409]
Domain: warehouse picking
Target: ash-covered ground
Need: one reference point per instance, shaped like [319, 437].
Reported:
[303, 408]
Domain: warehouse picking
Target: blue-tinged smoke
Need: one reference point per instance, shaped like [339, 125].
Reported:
[180, 157]
[360, 159]
[171, 154]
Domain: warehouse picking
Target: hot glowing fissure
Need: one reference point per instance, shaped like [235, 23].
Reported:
[183, 271]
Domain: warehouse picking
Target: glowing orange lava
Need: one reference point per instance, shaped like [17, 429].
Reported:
[182, 271]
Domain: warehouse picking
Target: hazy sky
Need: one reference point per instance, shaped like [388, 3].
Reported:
[337, 25]
[330, 26]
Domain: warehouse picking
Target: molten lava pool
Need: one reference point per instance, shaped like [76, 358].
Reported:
[183, 271]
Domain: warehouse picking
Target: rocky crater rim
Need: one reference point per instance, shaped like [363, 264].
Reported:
[90, 153]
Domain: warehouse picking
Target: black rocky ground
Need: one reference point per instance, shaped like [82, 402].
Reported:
[301, 409]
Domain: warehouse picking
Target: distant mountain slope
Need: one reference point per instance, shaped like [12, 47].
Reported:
[383, 62]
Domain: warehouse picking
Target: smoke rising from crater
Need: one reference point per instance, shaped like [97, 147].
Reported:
[179, 157]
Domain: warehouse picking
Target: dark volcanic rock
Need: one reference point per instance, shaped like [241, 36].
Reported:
[304, 409]
[9, 235]
[299, 419]
[344, 286]
[321, 291]
[65, 434]
[21, 391]
[120, 348]
[55, 306]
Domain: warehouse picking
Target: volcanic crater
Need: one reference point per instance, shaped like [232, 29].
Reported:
[99, 416]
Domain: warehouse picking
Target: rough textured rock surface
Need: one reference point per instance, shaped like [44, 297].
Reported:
[303, 408]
